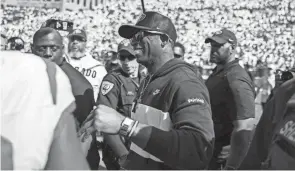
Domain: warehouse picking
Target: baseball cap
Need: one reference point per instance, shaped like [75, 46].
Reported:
[79, 33]
[150, 21]
[125, 45]
[222, 37]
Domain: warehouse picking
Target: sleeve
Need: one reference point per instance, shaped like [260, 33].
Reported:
[243, 96]
[190, 144]
[66, 151]
[109, 92]
[82, 90]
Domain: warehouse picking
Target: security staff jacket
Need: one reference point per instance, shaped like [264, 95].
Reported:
[232, 98]
[175, 103]
[118, 91]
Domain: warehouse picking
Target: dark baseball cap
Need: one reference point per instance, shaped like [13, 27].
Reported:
[150, 21]
[222, 37]
[78, 33]
[125, 45]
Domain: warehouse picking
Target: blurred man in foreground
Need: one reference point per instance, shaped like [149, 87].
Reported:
[170, 125]
[273, 143]
[47, 43]
[36, 118]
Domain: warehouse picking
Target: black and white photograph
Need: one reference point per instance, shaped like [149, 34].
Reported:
[147, 84]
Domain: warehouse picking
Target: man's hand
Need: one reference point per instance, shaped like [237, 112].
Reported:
[86, 143]
[103, 119]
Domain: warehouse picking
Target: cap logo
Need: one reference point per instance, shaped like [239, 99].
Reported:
[218, 32]
[230, 40]
[77, 32]
[142, 17]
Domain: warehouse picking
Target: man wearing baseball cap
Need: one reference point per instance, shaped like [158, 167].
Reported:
[93, 70]
[234, 115]
[170, 126]
[118, 91]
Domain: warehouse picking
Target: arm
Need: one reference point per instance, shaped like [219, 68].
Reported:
[189, 144]
[110, 99]
[243, 121]
[82, 91]
[65, 151]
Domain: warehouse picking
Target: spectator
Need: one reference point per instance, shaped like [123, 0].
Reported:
[15, 43]
[92, 69]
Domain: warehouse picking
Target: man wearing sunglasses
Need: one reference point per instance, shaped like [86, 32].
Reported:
[118, 90]
[93, 70]
[232, 100]
[48, 44]
[170, 126]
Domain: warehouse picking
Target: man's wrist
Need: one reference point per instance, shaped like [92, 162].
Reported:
[127, 127]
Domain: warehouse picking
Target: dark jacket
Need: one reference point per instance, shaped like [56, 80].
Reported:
[84, 98]
[276, 120]
[82, 91]
[176, 103]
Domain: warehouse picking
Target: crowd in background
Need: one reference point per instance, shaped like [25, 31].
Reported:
[265, 28]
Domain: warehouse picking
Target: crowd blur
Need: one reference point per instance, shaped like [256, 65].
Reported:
[264, 28]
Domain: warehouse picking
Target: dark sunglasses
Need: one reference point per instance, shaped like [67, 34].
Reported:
[124, 57]
[177, 56]
[78, 38]
[141, 34]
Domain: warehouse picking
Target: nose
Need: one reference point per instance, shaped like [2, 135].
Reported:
[48, 53]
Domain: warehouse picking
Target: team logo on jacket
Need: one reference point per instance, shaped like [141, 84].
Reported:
[196, 100]
[157, 91]
[106, 87]
[288, 131]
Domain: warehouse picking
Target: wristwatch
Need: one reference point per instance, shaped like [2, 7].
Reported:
[126, 126]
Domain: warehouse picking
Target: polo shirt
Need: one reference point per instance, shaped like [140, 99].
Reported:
[232, 98]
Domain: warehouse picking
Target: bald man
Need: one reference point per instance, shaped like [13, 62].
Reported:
[48, 44]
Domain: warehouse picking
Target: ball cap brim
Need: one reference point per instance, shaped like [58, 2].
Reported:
[150, 21]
